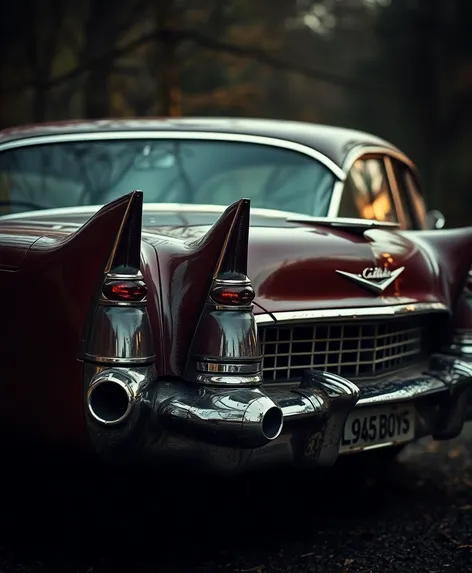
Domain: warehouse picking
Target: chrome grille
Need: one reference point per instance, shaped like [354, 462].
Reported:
[353, 349]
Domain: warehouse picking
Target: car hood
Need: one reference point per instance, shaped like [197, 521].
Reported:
[302, 267]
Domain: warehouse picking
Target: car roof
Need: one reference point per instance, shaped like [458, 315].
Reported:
[333, 142]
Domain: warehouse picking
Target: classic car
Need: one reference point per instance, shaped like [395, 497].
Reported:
[188, 324]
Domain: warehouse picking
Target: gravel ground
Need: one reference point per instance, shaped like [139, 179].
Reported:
[415, 517]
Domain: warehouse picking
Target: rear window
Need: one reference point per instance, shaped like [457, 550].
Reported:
[167, 171]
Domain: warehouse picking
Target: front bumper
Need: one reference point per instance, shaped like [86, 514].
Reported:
[217, 429]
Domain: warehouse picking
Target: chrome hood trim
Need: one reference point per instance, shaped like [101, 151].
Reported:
[354, 313]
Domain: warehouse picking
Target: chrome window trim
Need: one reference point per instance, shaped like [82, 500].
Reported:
[351, 157]
[166, 134]
[394, 192]
[418, 213]
[359, 151]
[336, 197]
[354, 313]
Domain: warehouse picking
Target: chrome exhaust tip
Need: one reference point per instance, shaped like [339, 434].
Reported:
[272, 423]
[110, 398]
[262, 421]
[229, 416]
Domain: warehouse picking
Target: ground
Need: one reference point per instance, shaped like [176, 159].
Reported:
[415, 517]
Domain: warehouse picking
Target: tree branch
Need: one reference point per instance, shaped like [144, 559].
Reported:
[179, 36]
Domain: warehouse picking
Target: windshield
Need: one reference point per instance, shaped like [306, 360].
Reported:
[70, 174]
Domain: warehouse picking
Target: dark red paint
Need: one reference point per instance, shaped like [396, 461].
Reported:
[53, 278]
[46, 301]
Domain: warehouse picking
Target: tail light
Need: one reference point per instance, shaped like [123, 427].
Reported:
[120, 331]
[122, 289]
[225, 348]
[232, 293]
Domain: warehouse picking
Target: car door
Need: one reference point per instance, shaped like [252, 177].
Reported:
[367, 192]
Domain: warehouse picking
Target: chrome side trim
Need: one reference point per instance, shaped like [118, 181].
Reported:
[403, 391]
[117, 276]
[251, 368]
[123, 361]
[354, 313]
[264, 319]
[238, 379]
[236, 282]
[345, 223]
[166, 134]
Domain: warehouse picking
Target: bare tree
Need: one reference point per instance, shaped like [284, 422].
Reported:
[42, 37]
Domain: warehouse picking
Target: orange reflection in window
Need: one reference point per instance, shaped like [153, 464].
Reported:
[379, 209]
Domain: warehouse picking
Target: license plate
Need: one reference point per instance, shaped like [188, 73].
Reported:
[372, 427]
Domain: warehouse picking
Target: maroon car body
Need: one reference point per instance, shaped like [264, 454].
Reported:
[230, 340]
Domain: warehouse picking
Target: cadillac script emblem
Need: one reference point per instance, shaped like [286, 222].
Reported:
[375, 279]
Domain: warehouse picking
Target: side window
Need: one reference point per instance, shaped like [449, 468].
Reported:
[366, 193]
[412, 201]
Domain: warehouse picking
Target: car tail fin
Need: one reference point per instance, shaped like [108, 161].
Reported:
[125, 258]
[98, 268]
[118, 329]
[225, 349]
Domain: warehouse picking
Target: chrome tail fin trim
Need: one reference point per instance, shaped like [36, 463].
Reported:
[119, 331]
[225, 348]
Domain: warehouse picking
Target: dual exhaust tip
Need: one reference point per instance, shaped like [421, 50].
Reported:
[110, 398]
[232, 416]
[272, 423]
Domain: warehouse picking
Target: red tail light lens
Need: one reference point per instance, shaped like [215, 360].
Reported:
[125, 291]
[233, 295]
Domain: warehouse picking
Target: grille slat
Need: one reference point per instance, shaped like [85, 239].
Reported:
[353, 349]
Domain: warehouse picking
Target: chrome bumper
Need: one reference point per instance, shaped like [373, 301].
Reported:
[221, 429]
